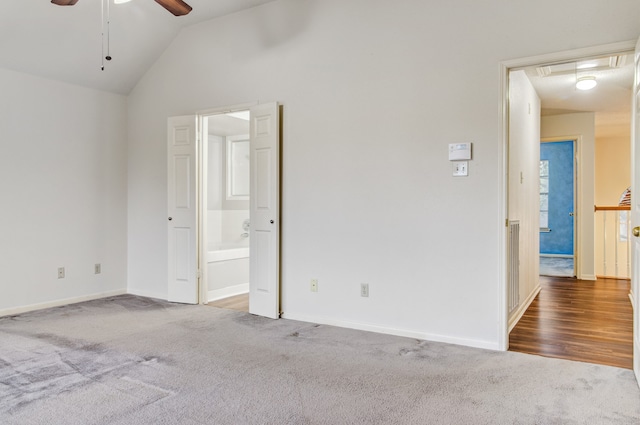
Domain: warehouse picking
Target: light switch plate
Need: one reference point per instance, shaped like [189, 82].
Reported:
[460, 168]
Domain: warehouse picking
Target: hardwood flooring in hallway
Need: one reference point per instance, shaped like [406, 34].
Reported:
[237, 302]
[578, 320]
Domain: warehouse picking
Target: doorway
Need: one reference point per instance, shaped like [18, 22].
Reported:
[226, 176]
[584, 252]
[557, 208]
[188, 207]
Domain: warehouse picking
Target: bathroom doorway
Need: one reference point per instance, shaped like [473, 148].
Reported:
[226, 170]
[557, 208]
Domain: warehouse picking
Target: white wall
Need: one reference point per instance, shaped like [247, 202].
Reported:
[612, 176]
[613, 167]
[524, 182]
[582, 125]
[63, 176]
[373, 92]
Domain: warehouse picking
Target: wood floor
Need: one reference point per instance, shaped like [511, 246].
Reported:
[578, 320]
[238, 302]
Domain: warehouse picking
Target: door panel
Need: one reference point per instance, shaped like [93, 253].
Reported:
[264, 281]
[182, 210]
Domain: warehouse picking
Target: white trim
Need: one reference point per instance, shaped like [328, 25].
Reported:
[577, 205]
[515, 318]
[489, 345]
[503, 178]
[59, 303]
[631, 298]
[570, 55]
[230, 291]
[556, 255]
[588, 277]
[226, 109]
[203, 182]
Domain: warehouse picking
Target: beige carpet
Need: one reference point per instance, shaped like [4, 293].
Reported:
[130, 360]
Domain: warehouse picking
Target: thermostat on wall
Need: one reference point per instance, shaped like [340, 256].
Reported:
[459, 151]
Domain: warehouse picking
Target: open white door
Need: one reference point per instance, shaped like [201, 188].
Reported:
[635, 212]
[182, 210]
[264, 279]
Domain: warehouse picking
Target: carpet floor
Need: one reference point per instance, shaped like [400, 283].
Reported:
[132, 360]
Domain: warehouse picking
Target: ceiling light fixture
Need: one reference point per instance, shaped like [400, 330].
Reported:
[121, 1]
[586, 83]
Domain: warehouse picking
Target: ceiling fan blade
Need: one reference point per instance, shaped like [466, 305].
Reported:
[64, 2]
[177, 7]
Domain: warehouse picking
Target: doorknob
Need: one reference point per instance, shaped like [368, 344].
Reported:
[170, 218]
[571, 214]
[636, 231]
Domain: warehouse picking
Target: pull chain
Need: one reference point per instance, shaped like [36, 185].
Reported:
[108, 57]
[102, 32]
[108, 22]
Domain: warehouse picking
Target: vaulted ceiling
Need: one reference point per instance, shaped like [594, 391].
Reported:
[65, 43]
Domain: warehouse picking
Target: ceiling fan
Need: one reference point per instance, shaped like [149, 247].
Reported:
[177, 7]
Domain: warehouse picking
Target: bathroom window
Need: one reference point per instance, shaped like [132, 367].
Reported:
[544, 196]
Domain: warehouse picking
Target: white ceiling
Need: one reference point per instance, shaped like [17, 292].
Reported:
[610, 99]
[64, 42]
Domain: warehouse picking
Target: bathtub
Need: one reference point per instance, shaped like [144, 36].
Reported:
[227, 271]
[231, 252]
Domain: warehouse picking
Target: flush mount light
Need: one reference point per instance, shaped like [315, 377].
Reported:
[121, 1]
[586, 83]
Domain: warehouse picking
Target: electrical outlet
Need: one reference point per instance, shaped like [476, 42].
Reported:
[314, 285]
[97, 269]
[364, 289]
[60, 272]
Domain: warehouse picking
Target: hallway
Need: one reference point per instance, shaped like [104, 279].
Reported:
[578, 320]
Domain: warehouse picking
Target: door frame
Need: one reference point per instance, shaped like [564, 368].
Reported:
[503, 104]
[203, 188]
[577, 186]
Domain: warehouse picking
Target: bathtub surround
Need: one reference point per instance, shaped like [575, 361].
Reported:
[130, 360]
[227, 273]
[225, 230]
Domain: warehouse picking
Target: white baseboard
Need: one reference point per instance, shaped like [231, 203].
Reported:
[587, 277]
[515, 318]
[393, 331]
[227, 292]
[57, 303]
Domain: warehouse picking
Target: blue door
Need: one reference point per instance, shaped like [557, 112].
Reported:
[556, 232]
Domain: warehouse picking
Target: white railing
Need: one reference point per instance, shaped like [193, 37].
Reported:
[612, 243]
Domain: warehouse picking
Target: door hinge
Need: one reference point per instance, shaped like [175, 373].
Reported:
[506, 222]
